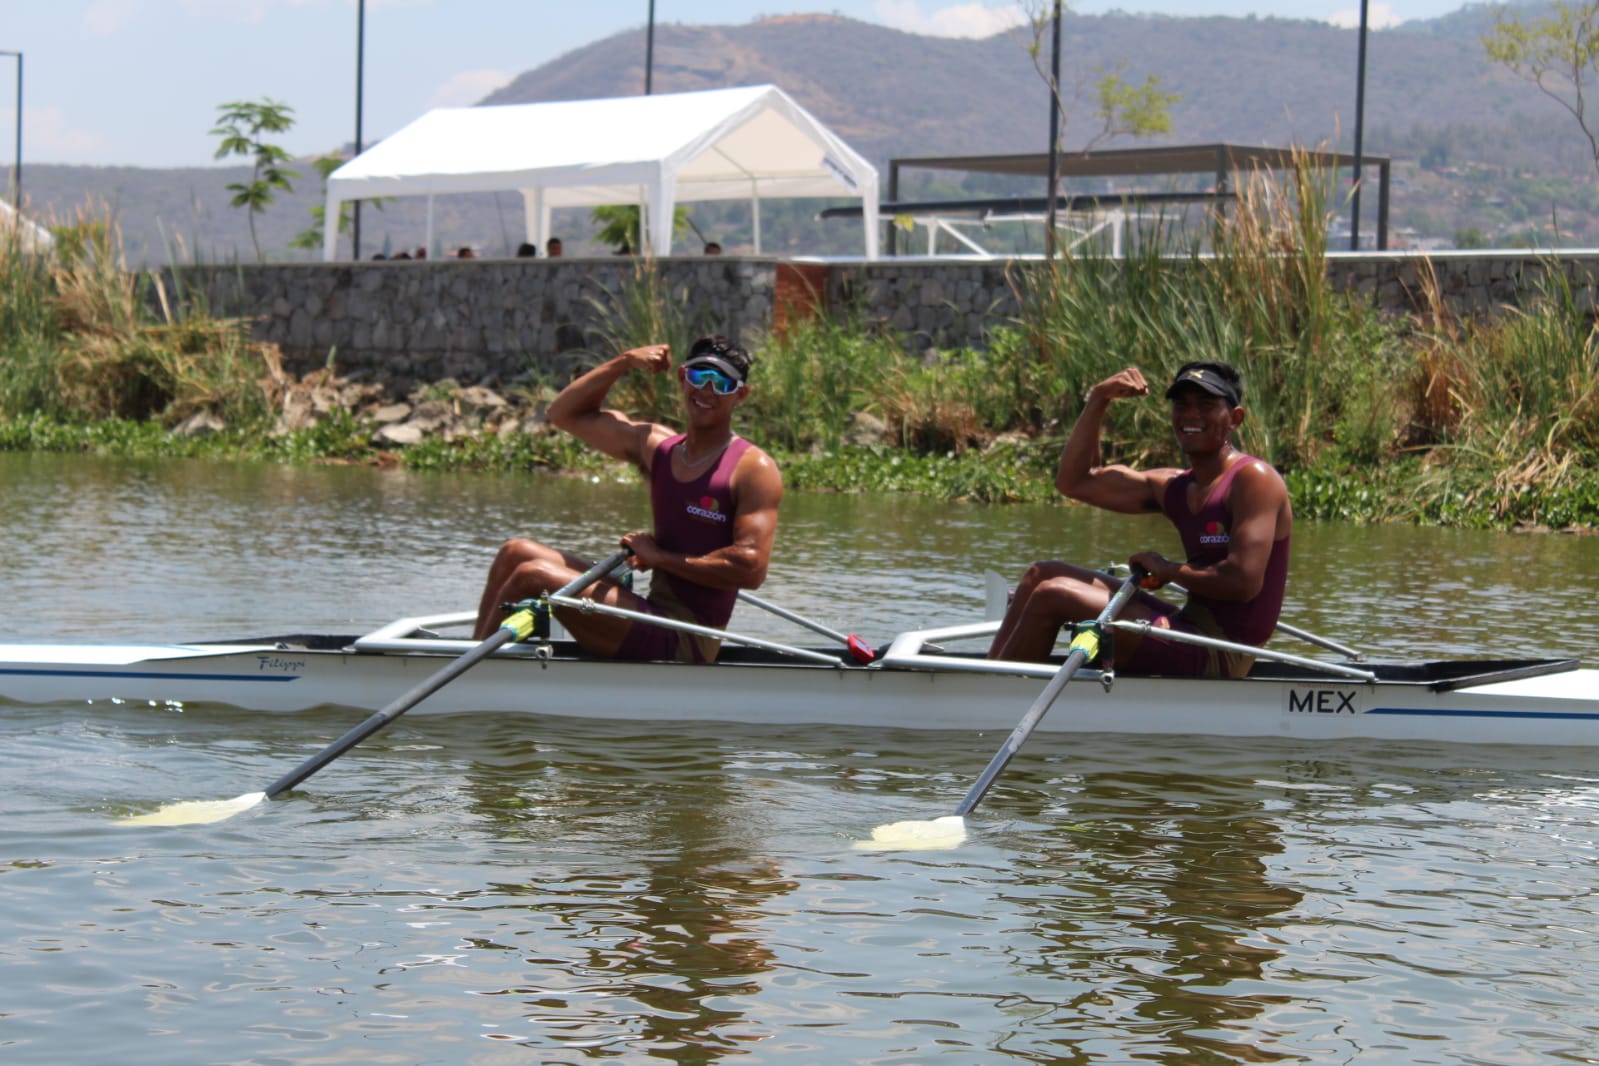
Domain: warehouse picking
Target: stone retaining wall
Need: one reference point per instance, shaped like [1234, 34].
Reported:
[494, 320]
[471, 320]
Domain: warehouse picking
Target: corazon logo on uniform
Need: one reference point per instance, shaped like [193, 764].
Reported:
[708, 508]
[1215, 533]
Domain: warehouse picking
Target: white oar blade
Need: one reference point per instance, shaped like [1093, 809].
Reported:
[935, 835]
[196, 812]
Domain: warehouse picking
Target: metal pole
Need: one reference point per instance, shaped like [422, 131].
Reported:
[1054, 137]
[18, 202]
[360, 71]
[1360, 122]
[649, 52]
[16, 175]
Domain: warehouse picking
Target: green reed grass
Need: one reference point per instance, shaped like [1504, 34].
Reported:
[813, 379]
[644, 309]
[1507, 410]
[1317, 363]
[1532, 383]
[80, 340]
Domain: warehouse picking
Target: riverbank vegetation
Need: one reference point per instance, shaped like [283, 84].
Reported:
[1490, 422]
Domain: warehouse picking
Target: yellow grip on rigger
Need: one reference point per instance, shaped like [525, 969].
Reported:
[521, 623]
[1087, 641]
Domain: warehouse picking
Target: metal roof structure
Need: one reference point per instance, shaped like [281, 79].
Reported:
[1221, 160]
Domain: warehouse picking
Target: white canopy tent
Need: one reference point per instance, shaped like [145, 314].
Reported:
[656, 151]
[28, 235]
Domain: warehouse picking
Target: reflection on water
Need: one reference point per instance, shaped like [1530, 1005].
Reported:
[1183, 915]
[487, 890]
[657, 956]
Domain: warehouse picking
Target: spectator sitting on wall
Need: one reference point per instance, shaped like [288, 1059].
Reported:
[712, 248]
[421, 253]
[527, 250]
[465, 252]
[552, 247]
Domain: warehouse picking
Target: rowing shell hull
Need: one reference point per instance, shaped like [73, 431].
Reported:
[1560, 707]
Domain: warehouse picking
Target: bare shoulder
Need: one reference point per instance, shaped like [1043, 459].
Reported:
[758, 473]
[1158, 479]
[1260, 476]
[648, 437]
[1259, 485]
[1161, 476]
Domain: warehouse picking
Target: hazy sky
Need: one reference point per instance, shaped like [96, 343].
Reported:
[138, 82]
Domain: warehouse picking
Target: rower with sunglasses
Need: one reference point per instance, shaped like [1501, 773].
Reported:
[713, 495]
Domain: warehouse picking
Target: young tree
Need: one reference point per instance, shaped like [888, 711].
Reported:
[1557, 51]
[1123, 109]
[311, 237]
[241, 124]
[619, 224]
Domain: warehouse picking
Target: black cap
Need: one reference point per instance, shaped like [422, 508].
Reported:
[1218, 379]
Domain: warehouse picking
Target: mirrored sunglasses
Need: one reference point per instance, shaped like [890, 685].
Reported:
[701, 376]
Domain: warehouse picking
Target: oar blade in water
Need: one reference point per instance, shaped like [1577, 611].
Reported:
[196, 812]
[933, 835]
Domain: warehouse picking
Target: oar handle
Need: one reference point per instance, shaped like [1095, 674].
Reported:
[1082, 650]
[513, 628]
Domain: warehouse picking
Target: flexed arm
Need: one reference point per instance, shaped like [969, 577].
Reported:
[1082, 474]
[580, 410]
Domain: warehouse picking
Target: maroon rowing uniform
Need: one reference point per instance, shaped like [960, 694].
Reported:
[1206, 537]
[694, 517]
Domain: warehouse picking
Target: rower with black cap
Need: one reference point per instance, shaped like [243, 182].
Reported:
[1230, 510]
[713, 496]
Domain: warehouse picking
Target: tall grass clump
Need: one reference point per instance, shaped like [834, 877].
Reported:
[28, 325]
[643, 309]
[1318, 364]
[1324, 370]
[81, 342]
[1508, 405]
[814, 378]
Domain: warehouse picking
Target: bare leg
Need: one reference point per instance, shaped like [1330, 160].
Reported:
[524, 569]
[498, 589]
[1054, 594]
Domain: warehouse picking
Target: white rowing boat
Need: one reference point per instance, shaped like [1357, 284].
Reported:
[915, 684]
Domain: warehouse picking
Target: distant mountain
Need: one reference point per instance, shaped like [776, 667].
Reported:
[1433, 103]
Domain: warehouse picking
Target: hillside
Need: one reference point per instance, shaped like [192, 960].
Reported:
[1450, 119]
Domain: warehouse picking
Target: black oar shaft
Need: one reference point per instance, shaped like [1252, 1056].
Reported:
[433, 683]
[388, 714]
[1046, 699]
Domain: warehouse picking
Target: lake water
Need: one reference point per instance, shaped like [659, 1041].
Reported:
[477, 889]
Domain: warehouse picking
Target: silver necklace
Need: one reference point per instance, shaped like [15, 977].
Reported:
[695, 464]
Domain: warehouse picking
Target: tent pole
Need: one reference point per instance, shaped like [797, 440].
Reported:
[869, 215]
[755, 210]
[331, 207]
[531, 229]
